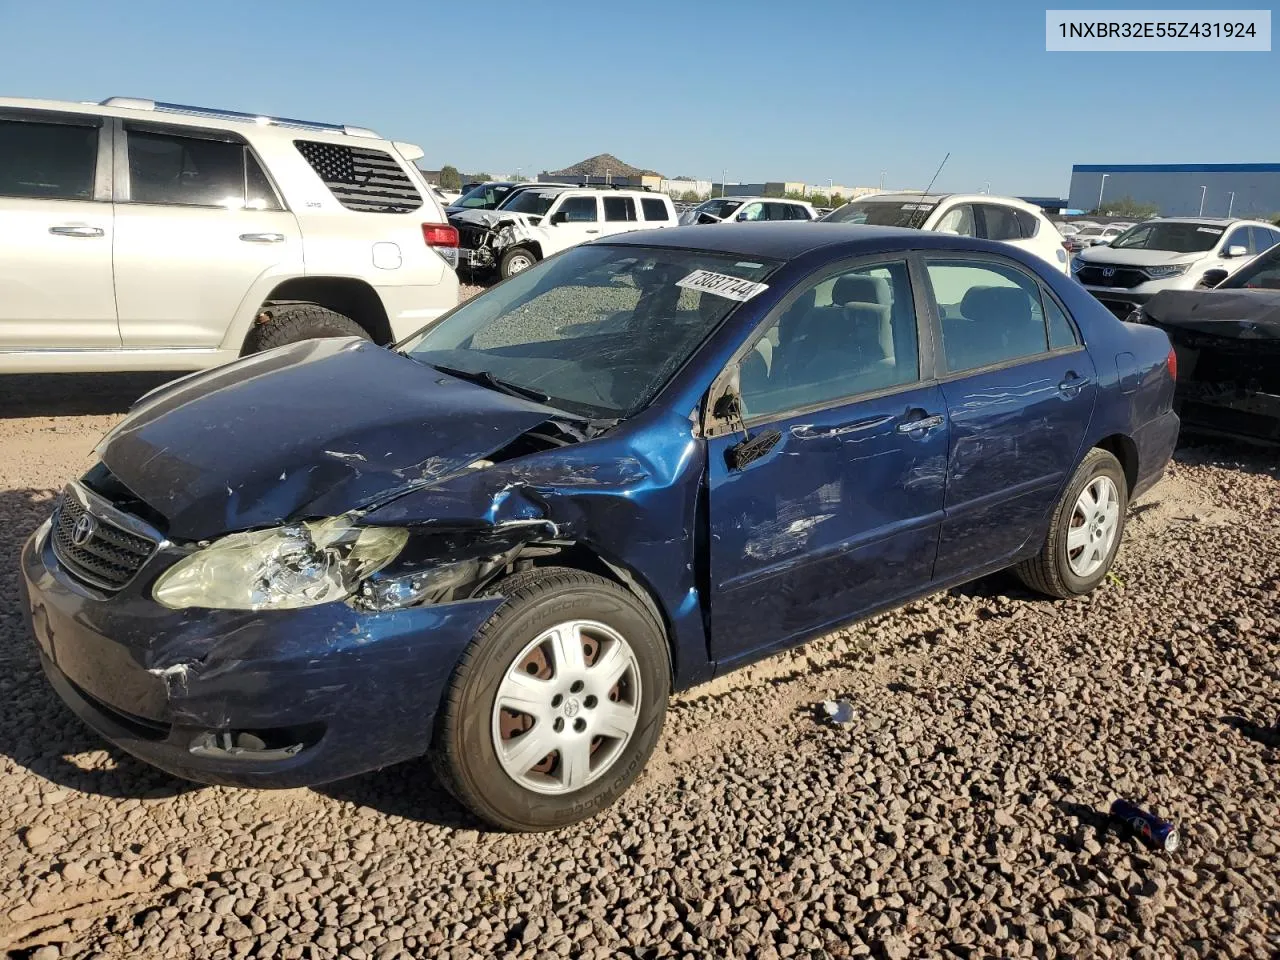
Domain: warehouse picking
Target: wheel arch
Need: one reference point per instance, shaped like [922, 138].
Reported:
[1126, 451]
[349, 296]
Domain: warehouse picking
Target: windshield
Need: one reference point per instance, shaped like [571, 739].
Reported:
[1090, 232]
[885, 213]
[1262, 274]
[720, 208]
[1168, 235]
[536, 202]
[599, 329]
[483, 196]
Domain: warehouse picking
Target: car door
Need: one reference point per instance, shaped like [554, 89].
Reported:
[56, 285]
[197, 223]
[1019, 390]
[752, 212]
[574, 220]
[826, 498]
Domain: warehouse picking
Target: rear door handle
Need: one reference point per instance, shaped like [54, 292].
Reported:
[593, 231]
[77, 230]
[262, 237]
[1072, 384]
[922, 423]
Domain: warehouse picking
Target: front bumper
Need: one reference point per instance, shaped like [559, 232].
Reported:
[269, 699]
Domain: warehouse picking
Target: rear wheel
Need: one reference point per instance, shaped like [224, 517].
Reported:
[517, 260]
[1085, 532]
[292, 322]
[557, 703]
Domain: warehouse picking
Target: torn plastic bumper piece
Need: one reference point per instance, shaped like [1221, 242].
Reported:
[267, 699]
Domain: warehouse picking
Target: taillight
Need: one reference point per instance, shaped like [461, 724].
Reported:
[440, 235]
[1172, 362]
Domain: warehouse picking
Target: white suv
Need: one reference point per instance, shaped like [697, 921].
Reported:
[1172, 253]
[537, 221]
[749, 210]
[137, 235]
[967, 215]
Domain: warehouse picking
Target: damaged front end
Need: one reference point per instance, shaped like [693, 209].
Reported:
[486, 235]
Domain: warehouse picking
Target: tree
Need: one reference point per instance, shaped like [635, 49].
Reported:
[690, 196]
[450, 179]
[794, 195]
[482, 177]
[1126, 207]
[837, 199]
[818, 199]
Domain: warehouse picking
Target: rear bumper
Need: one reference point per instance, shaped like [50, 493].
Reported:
[1243, 415]
[275, 699]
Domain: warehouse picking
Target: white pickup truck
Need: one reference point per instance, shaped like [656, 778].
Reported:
[536, 222]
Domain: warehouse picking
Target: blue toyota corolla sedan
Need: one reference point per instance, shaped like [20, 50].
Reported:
[639, 464]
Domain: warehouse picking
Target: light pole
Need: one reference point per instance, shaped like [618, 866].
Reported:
[723, 174]
[1203, 188]
[829, 189]
[988, 188]
[518, 177]
[1102, 186]
[882, 181]
[1232, 203]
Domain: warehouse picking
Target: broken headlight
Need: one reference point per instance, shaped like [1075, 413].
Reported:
[299, 565]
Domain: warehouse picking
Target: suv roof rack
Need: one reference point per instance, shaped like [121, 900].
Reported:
[614, 186]
[135, 103]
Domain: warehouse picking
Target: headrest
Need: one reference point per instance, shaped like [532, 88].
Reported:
[857, 289]
[1006, 304]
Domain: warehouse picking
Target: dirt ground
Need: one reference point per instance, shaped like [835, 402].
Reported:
[959, 815]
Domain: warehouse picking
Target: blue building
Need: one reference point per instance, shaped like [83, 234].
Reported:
[1182, 189]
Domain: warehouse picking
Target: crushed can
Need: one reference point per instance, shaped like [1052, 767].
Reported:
[1155, 833]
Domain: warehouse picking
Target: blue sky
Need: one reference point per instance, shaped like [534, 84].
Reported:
[797, 91]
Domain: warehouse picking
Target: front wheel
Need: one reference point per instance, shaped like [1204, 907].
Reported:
[557, 703]
[1085, 532]
[514, 261]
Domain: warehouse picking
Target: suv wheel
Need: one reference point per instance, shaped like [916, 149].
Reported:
[556, 705]
[1085, 532]
[292, 322]
[516, 261]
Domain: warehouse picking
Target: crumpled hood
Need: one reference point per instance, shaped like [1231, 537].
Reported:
[1136, 257]
[1237, 314]
[312, 429]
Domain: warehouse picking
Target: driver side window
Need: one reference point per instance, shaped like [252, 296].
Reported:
[752, 211]
[845, 335]
[579, 210]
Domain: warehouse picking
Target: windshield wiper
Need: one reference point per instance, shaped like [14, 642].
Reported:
[487, 379]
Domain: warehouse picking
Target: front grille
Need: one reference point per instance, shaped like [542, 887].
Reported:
[106, 556]
[1091, 276]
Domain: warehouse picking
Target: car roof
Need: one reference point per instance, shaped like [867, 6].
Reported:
[744, 198]
[789, 240]
[1210, 221]
[908, 195]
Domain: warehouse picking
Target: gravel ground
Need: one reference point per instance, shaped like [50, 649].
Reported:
[958, 816]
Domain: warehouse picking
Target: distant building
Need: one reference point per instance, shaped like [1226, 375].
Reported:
[780, 188]
[1178, 189]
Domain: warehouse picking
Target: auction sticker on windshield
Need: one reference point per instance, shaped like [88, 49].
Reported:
[722, 285]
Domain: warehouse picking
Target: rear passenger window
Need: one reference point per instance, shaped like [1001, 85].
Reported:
[47, 161]
[195, 171]
[1061, 332]
[1028, 223]
[654, 209]
[958, 221]
[1002, 224]
[990, 313]
[368, 181]
[846, 335]
[619, 209]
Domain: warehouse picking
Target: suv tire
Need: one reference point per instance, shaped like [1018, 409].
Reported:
[609, 725]
[1085, 532]
[516, 260]
[293, 322]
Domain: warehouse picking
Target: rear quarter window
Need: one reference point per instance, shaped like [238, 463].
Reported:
[654, 209]
[360, 178]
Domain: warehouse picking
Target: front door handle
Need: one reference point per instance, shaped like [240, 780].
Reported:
[77, 230]
[921, 424]
[262, 237]
[593, 231]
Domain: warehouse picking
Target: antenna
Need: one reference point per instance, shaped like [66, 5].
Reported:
[912, 223]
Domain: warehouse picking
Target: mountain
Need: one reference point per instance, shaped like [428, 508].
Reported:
[602, 165]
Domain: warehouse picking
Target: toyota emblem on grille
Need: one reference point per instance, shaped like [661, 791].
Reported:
[84, 529]
[1108, 272]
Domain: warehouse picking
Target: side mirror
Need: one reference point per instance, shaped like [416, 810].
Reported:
[727, 406]
[559, 217]
[1212, 278]
[1235, 250]
[741, 217]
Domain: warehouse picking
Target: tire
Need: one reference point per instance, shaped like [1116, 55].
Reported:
[516, 260]
[293, 322]
[1063, 568]
[540, 794]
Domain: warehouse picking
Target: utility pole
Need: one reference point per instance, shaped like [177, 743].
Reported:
[1101, 187]
[1203, 188]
